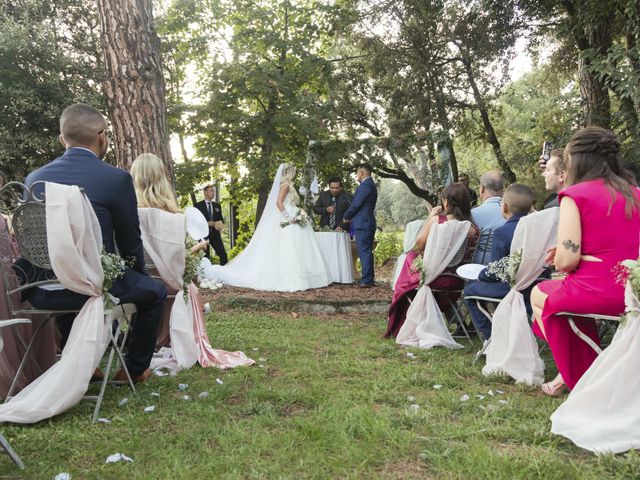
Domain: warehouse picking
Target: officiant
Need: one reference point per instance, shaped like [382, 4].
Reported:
[332, 204]
[212, 212]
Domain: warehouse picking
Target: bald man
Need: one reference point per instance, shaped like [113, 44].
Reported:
[83, 132]
[488, 216]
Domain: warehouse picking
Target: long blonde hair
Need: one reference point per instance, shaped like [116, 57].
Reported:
[288, 172]
[152, 185]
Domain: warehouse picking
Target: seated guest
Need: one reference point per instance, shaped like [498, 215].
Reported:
[488, 216]
[555, 174]
[463, 178]
[455, 206]
[516, 204]
[332, 204]
[110, 191]
[155, 192]
[599, 227]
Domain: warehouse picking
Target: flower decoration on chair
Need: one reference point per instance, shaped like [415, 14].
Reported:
[628, 271]
[191, 262]
[113, 266]
[418, 266]
[506, 268]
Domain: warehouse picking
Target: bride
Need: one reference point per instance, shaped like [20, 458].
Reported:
[283, 254]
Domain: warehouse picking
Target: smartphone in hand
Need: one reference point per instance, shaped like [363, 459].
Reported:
[546, 151]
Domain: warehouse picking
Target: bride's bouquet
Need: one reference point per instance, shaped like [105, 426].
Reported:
[300, 217]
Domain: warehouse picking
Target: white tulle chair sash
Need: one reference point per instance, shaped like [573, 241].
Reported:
[513, 349]
[424, 326]
[163, 237]
[75, 242]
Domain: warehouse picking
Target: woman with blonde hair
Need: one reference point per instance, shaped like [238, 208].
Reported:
[164, 235]
[283, 254]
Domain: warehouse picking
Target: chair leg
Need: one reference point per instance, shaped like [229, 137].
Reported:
[12, 454]
[121, 357]
[482, 350]
[25, 358]
[103, 386]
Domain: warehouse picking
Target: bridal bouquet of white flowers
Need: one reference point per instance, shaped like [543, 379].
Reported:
[300, 217]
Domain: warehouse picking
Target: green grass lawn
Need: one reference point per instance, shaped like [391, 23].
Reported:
[333, 400]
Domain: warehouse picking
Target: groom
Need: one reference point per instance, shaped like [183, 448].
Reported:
[364, 221]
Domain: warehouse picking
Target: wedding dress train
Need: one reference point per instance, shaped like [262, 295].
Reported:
[282, 259]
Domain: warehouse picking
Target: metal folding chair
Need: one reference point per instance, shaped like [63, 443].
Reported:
[29, 226]
[606, 320]
[3, 441]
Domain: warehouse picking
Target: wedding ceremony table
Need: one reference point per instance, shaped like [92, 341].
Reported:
[336, 250]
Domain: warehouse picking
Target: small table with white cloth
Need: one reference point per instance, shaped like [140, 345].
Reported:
[336, 251]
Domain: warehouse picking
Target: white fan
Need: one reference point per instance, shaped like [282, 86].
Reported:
[197, 226]
[470, 271]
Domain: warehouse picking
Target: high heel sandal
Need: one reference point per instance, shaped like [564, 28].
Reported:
[554, 388]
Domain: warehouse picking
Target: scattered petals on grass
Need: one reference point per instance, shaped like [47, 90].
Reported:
[118, 457]
[149, 409]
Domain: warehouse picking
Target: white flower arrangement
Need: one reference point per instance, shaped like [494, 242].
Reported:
[506, 268]
[208, 283]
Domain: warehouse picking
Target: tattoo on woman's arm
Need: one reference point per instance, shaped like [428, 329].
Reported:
[569, 245]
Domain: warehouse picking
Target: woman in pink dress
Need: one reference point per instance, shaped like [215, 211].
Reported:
[456, 206]
[599, 227]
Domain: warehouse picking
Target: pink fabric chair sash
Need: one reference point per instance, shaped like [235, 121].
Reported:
[424, 326]
[513, 349]
[163, 235]
[75, 242]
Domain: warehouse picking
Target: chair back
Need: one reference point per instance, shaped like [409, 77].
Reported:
[30, 228]
[482, 253]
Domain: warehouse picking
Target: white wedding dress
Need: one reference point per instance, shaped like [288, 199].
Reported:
[276, 259]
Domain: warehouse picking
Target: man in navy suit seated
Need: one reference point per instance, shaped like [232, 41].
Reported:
[110, 190]
[516, 203]
[361, 212]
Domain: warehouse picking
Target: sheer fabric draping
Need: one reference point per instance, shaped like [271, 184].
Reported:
[602, 412]
[163, 237]
[513, 349]
[75, 242]
[411, 231]
[44, 349]
[425, 326]
[211, 357]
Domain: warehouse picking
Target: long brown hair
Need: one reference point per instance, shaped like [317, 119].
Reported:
[458, 202]
[594, 153]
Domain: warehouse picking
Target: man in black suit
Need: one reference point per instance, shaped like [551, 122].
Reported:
[112, 196]
[212, 212]
[332, 204]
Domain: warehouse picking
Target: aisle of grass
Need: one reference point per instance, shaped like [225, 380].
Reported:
[333, 400]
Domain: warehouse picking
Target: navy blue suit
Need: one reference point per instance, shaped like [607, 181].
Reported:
[487, 285]
[111, 193]
[361, 213]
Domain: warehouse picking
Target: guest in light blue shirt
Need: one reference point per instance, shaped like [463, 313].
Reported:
[488, 216]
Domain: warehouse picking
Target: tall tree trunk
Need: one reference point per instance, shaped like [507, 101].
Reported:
[134, 85]
[589, 37]
[492, 138]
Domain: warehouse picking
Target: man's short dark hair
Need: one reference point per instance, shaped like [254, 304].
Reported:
[207, 188]
[334, 180]
[365, 166]
[80, 124]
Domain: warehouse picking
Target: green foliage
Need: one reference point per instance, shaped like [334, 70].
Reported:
[389, 245]
[48, 60]
[397, 206]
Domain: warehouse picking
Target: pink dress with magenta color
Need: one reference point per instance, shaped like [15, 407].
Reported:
[609, 235]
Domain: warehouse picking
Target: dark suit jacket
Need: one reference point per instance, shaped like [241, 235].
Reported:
[361, 211]
[111, 193]
[324, 200]
[216, 217]
[501, 246]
